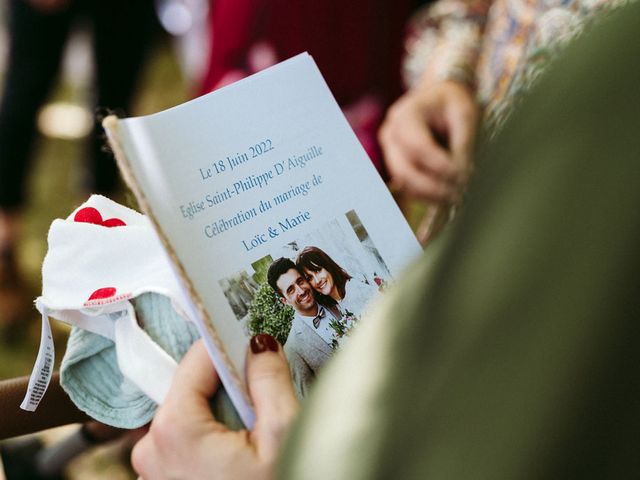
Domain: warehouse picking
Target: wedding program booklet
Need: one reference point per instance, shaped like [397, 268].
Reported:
[259, 171]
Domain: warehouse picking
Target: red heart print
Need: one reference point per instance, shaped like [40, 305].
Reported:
[114, 222]
[102, 293]
[91, 215]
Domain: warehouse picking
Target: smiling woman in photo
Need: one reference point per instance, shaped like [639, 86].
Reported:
[330, 281]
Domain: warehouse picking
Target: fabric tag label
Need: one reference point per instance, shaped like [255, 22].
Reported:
[42, 370]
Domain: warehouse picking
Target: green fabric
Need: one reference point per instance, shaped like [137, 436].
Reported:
[512, 350]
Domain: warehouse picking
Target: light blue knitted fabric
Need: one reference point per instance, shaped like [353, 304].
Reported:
[89, 371]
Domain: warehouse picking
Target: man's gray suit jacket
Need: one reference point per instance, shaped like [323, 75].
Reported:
[306, 352]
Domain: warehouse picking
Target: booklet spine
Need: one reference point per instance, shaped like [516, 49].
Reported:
[111, 126]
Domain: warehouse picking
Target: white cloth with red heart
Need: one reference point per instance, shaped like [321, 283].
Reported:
[99, 258]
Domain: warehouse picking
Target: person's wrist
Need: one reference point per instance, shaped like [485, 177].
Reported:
[449, 85]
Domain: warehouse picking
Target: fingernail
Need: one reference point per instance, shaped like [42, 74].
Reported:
[263, 342]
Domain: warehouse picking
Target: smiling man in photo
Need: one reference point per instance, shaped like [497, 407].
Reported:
[308, 345]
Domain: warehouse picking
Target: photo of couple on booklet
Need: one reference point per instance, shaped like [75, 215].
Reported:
[310, 293]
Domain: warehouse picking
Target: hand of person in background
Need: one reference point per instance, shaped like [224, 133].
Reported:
[186, 441]
[427, 138]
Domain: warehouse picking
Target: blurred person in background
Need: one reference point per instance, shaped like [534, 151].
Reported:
[469, 60]
[37, 32]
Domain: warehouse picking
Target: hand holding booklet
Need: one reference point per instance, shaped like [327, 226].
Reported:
[271, 214]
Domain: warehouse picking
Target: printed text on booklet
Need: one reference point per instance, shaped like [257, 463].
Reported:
[273, 172]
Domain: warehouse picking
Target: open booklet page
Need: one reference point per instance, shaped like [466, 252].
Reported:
[265, 169]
